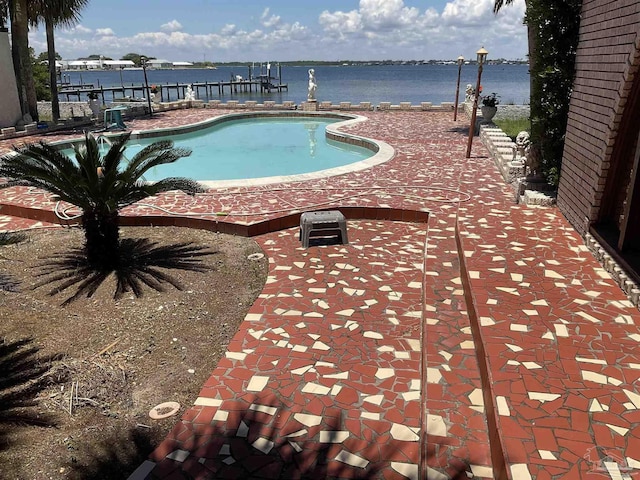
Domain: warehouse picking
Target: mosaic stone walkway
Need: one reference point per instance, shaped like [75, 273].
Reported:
[486, 342]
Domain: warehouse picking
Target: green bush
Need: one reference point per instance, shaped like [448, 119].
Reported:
[41, 78]
[556, 25]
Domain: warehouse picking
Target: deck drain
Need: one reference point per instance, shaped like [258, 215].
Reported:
[256, 256]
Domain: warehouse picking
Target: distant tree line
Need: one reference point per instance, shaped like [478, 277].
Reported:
[302, 63]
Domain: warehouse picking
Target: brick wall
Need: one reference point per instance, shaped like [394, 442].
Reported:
[606, 64]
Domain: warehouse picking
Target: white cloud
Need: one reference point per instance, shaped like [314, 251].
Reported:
[228, 29]
[172, 26]
[79, 30]
[394, 30]
[468, 12]
[341, 22]
[480, 12]
[379, 19]
[104, 32]
[377, 29]
[383, 15]
[269, 21]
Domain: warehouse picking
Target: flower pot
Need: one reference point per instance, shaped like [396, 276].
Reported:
[488, 113]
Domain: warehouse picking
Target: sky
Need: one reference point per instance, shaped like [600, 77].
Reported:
[286, 30]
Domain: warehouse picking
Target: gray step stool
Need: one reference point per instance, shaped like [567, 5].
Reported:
[323, 224]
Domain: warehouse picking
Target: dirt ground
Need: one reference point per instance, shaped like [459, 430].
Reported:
[97, 366]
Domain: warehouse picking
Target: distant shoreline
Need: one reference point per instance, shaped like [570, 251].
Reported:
[308, 63]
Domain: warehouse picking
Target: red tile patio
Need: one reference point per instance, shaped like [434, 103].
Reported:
[456, 332]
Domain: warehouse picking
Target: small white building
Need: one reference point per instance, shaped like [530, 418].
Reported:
[81, 64]
[159, 63]
[115, 64]
[182, 64]
[95, 64]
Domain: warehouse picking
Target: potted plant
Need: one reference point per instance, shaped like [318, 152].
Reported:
[94, 103]
[489, 106]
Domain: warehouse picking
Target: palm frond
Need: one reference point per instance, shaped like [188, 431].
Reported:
[113, 157]
[146, 190]
[42, 166]
[497, 6]
[10, 238]
[88, 158]
[188, 186]
[24, 377]
[158, 153]
[63, 13]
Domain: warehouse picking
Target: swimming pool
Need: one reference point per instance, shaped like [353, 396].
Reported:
[242, 149]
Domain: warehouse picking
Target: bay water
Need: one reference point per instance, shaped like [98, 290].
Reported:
[345, 83]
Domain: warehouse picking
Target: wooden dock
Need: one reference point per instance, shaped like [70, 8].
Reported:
[166, 91]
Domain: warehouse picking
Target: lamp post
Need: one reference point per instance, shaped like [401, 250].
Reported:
[455, 108]
[143, 62]
[482, 56]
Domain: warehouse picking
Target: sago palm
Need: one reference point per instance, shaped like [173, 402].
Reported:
[100, 185]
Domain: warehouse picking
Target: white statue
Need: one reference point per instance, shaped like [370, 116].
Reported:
[312, 86]
[190, 94]
[521, 149]
[469, 93]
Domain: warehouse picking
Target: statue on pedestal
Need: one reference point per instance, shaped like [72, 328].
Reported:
[521, 149]
[525, 156]
[469, 93]
[190, 94]
[311, 96]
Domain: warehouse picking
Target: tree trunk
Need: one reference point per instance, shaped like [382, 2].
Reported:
[53, 77]
[20, 23]
[16, 58]
[102, 239]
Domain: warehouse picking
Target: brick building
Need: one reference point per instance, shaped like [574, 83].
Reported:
[599, 189]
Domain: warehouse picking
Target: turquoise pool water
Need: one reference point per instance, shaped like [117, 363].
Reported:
[255, 148]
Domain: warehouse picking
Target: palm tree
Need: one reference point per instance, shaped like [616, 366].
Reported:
[97, 184]
[18, 13]
[55, 13]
